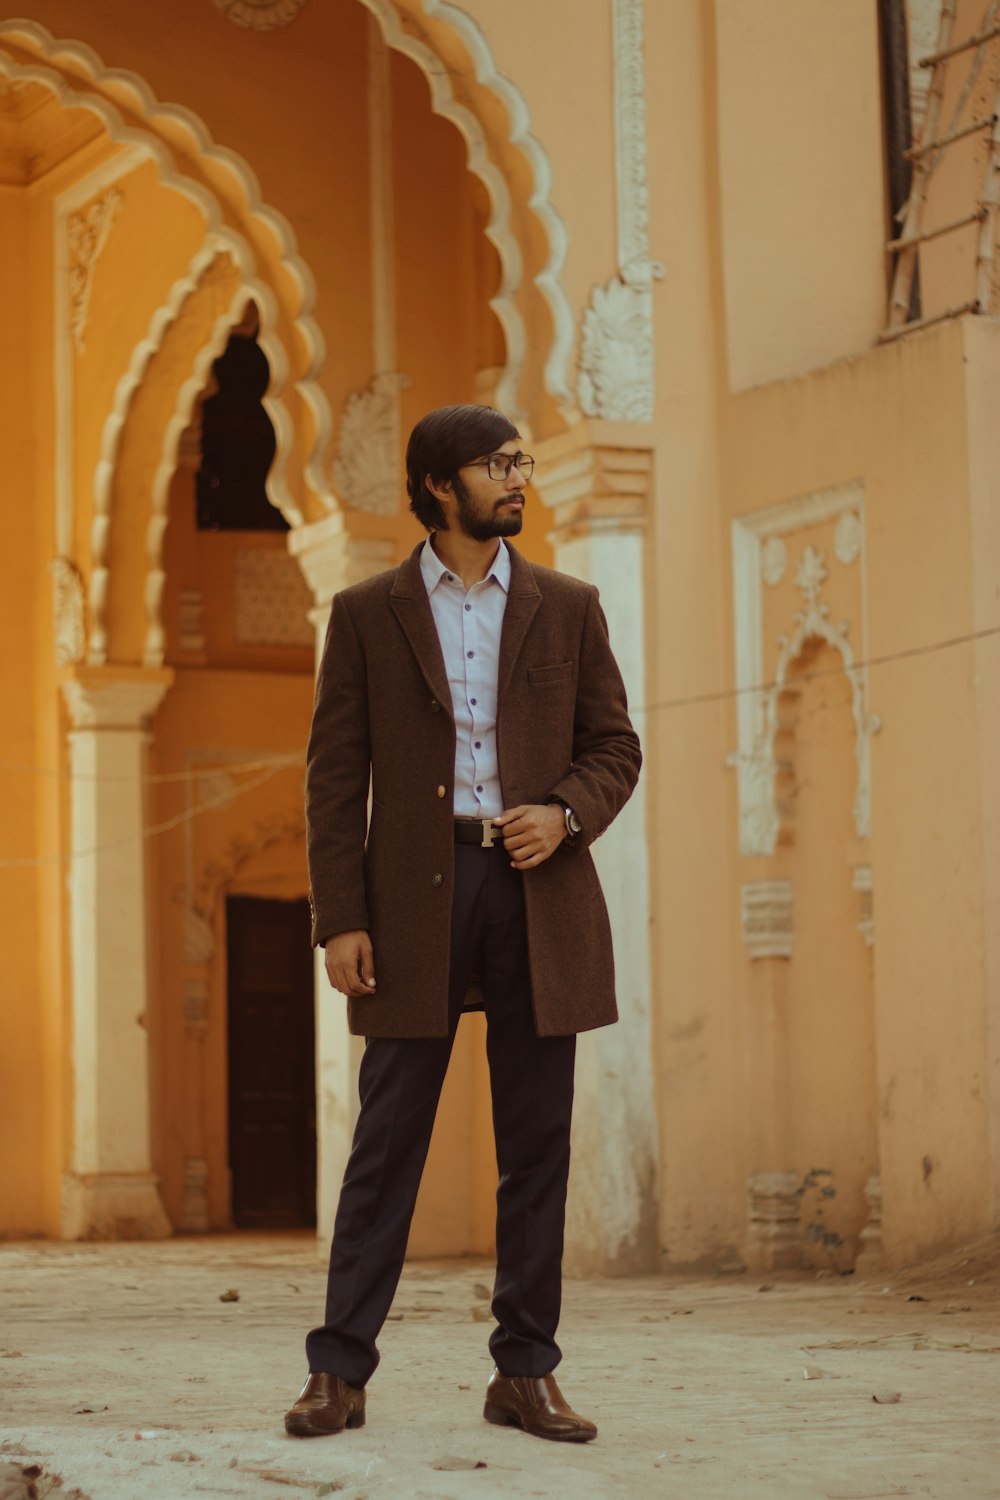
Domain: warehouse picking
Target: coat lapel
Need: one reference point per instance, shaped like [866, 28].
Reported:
[412, 608]
[522, 602]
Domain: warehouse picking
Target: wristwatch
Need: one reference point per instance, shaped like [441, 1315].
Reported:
[573, 824]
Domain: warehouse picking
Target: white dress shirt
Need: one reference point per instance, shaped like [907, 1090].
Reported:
[468, 627]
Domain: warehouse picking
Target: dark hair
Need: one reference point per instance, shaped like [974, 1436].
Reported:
[441, 443]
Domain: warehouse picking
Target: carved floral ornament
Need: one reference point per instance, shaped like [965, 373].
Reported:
[616, 371]
[763, 548]
[260, 15]
[86, 235]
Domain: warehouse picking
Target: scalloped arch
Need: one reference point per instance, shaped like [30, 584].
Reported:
[499, 231]
[187, 133]
[167, 130]
[114, 427]
[184, 403]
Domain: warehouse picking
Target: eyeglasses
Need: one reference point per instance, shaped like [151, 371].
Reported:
[498, 465]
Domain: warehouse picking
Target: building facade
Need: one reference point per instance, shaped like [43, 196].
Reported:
[242, 249]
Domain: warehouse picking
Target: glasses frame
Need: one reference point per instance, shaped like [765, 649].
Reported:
[511, 460]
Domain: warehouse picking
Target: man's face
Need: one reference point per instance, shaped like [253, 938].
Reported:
[485, 507]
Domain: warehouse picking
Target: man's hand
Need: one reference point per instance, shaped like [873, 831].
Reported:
[349, 963]
[532, 832]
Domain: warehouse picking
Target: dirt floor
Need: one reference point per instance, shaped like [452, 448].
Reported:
[124, 1371]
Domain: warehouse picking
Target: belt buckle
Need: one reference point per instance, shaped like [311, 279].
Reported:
[488, 833]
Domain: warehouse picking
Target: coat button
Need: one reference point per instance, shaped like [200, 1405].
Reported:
[438, 880]
[442, 791]
[435, 705]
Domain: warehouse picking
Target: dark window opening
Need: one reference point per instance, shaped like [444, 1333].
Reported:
[237, 440]
[897, 122]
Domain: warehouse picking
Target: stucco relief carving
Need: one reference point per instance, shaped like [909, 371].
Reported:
[199, 939]
[272, 600]
[756, 759]
[616, 354]
[87, 234]
[67, 603]
[847, 538]
[191, 622]
[813, 622]
[366, 469]
[766, 917]
[863, 884]
[260, 15]
[774, 1211]
[773, 560]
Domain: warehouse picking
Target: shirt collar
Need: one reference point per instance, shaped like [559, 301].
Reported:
[434, 570]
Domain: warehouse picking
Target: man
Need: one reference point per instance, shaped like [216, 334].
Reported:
[479, 696]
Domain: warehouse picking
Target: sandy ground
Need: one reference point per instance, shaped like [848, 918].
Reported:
[122, 1371]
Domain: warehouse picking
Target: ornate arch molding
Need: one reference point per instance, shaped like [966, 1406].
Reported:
[184, 404]
[760, 556]
[132, 115]
[162, 321]
[399, 23]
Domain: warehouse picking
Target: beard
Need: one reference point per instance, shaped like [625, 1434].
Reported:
[482, 525]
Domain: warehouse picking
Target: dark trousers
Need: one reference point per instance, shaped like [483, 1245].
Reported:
[531, 1080]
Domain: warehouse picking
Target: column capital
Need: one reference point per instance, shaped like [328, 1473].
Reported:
[332, 557]
[115, 697]
[597, 476]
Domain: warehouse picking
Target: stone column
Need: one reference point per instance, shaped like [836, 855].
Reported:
[110, 1191]
[331, 557]
[596, 479]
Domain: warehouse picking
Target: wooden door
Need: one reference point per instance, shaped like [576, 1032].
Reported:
[272, 1083]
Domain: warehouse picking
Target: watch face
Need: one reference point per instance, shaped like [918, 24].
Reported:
[575, 826]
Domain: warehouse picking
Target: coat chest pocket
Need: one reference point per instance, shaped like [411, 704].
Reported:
[560, 671]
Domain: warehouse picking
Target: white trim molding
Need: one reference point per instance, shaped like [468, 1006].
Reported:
[616, 371]
[556, 374]
[757, 712]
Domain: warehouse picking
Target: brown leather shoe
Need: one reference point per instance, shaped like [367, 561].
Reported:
[326, 1404]
[536, 1404]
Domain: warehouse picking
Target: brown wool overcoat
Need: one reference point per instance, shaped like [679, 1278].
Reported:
[383, 708]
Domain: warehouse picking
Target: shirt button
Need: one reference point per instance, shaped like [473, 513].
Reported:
[478, 788]
[449, 578]
[473, 702]
[479, 744]
[438, 880]
[467, 608]
[441, 791]
[470, 653]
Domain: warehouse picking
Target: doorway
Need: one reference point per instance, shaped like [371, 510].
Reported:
[272, 1079]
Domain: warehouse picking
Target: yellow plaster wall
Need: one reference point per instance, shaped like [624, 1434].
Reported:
[690, 865]
[25, 1066]
[800, 174]
[214, 720]
[897, 420]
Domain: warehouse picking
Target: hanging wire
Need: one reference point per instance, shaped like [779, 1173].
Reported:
[151, 831]
[871, 661]
[235, 768]
[270, 766]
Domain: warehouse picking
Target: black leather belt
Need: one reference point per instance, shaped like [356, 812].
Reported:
[481, 831]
